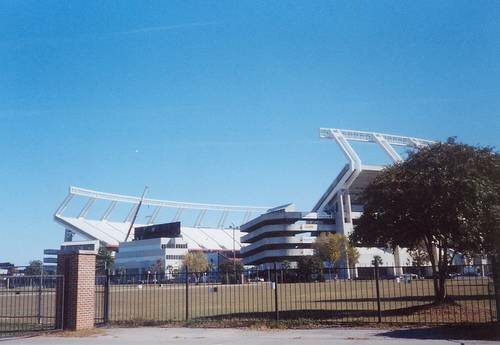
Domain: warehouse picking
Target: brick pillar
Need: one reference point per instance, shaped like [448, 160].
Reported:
[76, 296]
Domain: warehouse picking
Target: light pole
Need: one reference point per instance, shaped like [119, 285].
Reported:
[234, 250]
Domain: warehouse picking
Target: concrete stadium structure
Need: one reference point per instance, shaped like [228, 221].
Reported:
[275, 235]
[283, 234]
[110, 226]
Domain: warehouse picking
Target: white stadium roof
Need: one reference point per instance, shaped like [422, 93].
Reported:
[199, 235]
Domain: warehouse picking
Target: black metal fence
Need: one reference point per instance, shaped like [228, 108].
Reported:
[385, 294]
[28, 303]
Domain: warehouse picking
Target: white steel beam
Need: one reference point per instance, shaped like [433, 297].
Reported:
[154, 215]
[108, 211]
[199, 219]
[86, 208]
[363, 136]
[222, 220]
[178, 215]
[130, 214]
[163, 203]
[384, 144]
[60, 210]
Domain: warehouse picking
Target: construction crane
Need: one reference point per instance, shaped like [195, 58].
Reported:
[136, 212]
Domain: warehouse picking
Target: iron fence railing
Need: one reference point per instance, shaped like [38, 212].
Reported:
[370, 294]
[28, 303]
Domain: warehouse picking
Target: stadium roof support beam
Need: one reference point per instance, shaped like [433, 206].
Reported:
[199, 219]
[222, 220]
[178, 215]
[355, 166]
[130, 214]
[246, 217]
[341, 140]
[384, 144]
[60, 210]
[111, 231]
[163, 203]
[154, 215]
[108, 211]
[86, 208]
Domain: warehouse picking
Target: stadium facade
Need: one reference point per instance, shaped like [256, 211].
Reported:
[275, 235]
[211, 228]
[283, 234]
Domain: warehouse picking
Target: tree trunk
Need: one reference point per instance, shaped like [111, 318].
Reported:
[441, 296]
[443, 272]
[435, 280]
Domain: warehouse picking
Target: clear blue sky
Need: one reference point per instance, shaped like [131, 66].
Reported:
[221, 101]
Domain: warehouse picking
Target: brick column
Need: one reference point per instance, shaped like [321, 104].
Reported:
[76, 297]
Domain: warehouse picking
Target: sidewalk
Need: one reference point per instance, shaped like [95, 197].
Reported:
[194, 336]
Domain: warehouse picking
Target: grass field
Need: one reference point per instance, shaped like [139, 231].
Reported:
[25, 309]
[471, 300]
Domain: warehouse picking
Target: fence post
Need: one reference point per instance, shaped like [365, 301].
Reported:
[496, 284]
[40, 298]
[276, 306]
[379, 311]
[106, 298]
[187, 293]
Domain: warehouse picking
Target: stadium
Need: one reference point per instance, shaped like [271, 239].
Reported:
[261, 236]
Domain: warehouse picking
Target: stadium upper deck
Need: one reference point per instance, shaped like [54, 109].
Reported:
[110, 232]
[341, 204]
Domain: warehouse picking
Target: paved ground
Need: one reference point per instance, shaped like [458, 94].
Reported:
[194, 336]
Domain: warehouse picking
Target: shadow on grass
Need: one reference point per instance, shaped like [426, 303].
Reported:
[428, 298]
[343, 315]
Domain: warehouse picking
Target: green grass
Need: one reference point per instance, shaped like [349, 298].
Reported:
[471, 301]
[352, 301]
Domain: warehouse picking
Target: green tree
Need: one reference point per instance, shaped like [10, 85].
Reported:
[104, 260]
[334, 248]
[493, 237]
[195, 262]
[377, 260]
[286, 265]
[34, 268]
[158, 266]
[309, 267]
[419, 256]
[230, 271]
[443, 197]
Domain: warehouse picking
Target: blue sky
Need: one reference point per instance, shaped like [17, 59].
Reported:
[221, 101]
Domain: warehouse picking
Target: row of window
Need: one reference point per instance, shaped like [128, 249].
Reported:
[181, 245]
[174, 257]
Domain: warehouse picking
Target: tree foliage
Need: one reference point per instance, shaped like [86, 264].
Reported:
[309, 268]
[334, 248]
[158, 266]
[104, 260]
[230, 271]
[230, 265]
[441, 197]
[34, 268]
[195, 262]
[377, 260]
[419, 256]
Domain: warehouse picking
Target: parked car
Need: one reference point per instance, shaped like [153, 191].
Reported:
[407, 277]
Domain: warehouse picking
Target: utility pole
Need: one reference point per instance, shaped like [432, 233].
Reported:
[234, 250]
[136, 212]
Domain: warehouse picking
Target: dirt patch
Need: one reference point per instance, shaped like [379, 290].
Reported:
[77, 334]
